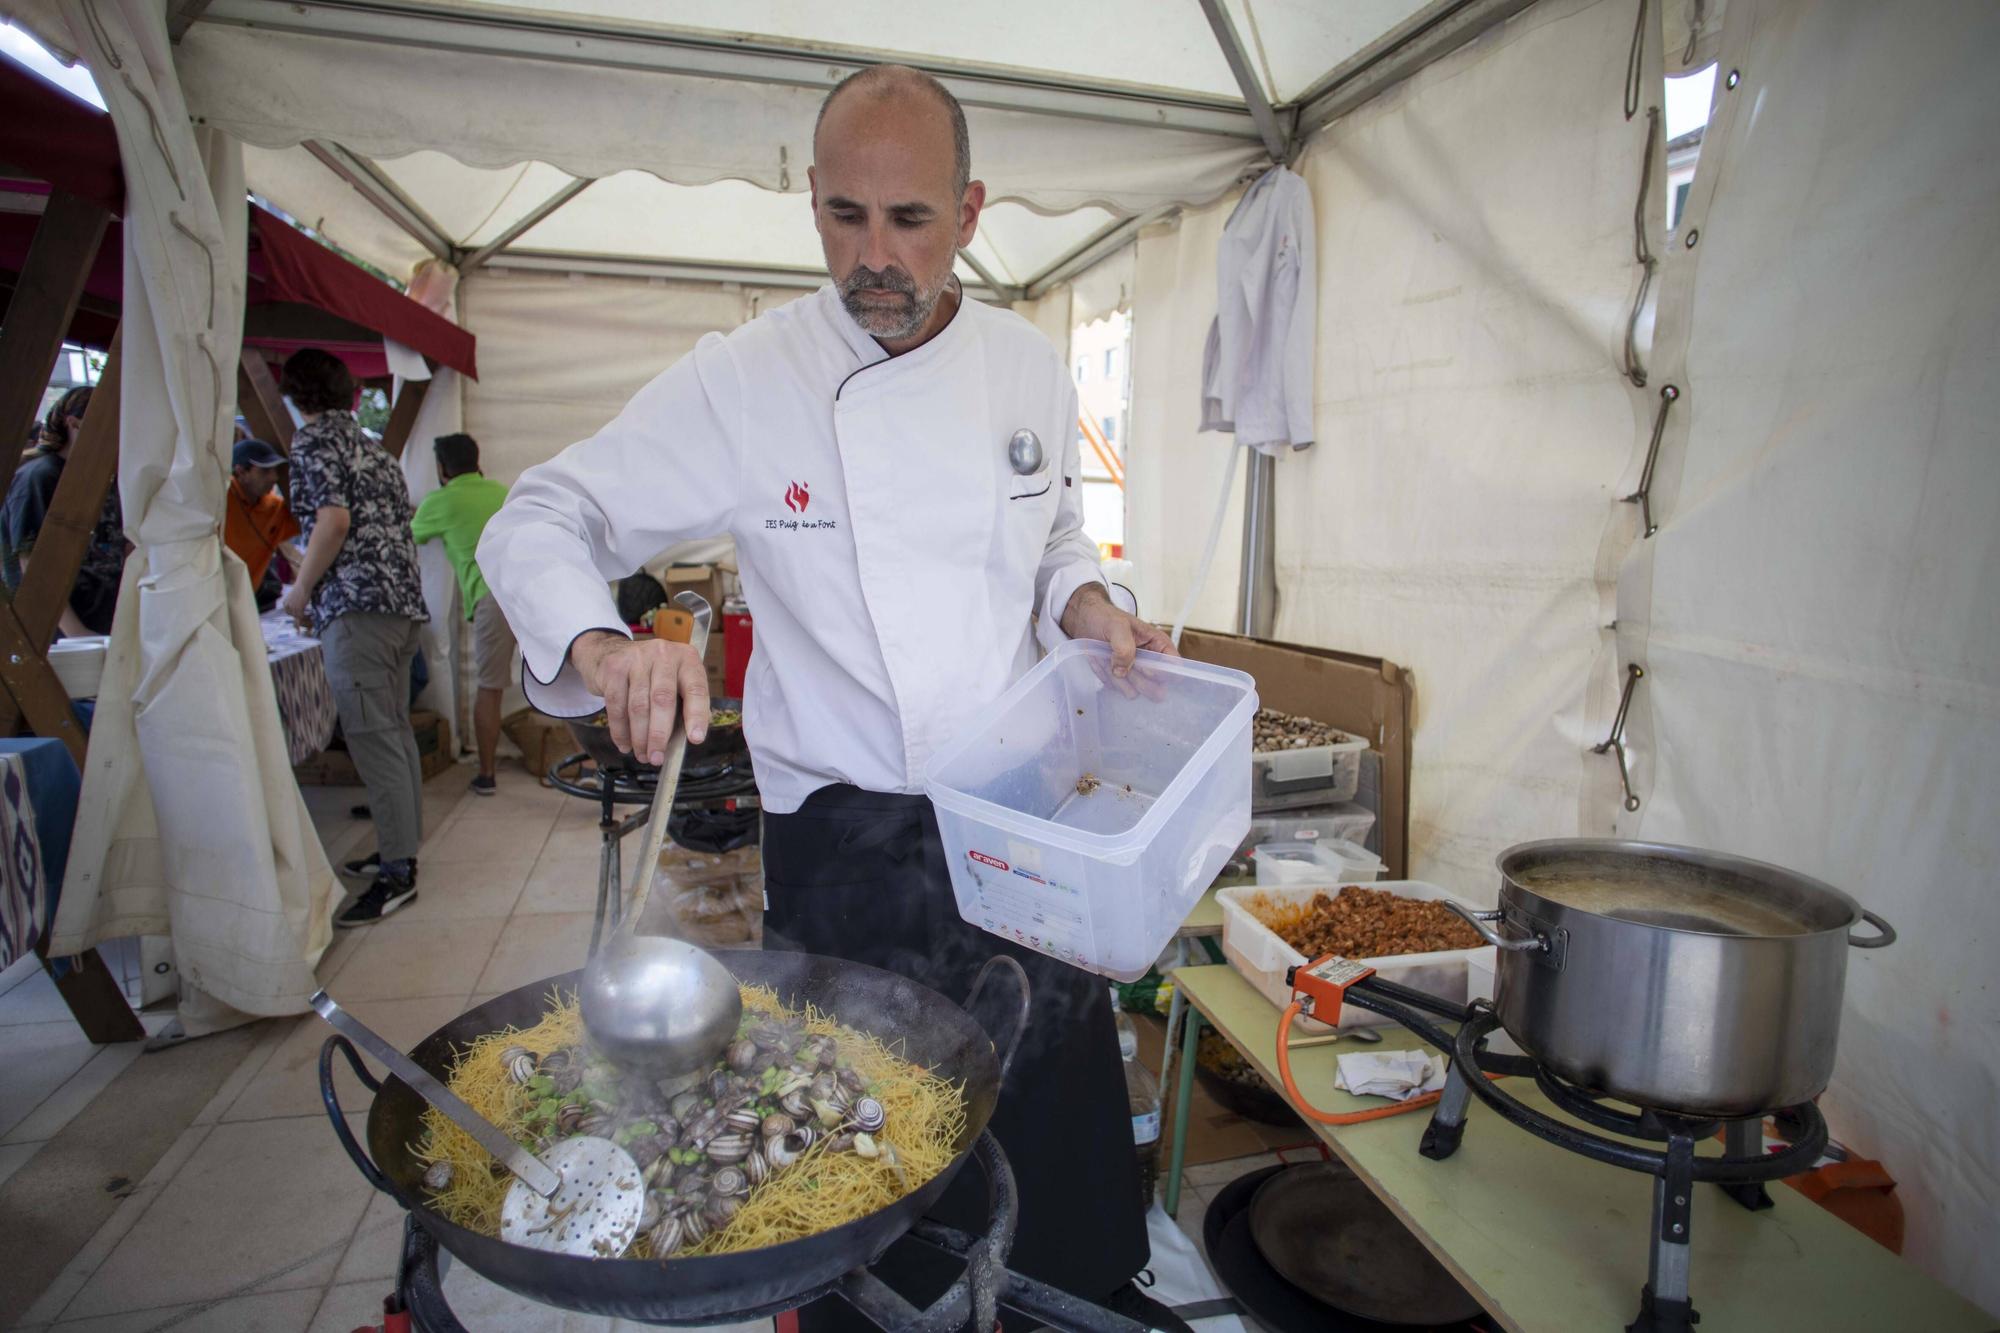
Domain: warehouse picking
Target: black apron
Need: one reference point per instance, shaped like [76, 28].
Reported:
[861, 875]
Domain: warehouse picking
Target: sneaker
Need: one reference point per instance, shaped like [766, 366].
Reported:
[360, 812]
[484, 786]
[366, 868]
[384, 896]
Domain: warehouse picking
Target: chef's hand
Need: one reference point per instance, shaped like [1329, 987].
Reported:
[641, 681]
[297, 605]
[1091, 614]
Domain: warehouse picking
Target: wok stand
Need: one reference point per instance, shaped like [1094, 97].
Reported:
[971, 1303]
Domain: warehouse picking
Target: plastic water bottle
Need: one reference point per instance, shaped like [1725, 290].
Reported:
[1142, 1095]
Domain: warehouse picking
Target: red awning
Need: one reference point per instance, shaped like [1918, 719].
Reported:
[68, 144]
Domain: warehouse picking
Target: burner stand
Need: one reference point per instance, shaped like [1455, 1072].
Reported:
[972, 1303]
[1665, 1305]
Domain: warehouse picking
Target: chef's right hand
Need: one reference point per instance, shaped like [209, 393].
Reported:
[641, 681]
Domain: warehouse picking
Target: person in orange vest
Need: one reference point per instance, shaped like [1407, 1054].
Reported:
[257, 523]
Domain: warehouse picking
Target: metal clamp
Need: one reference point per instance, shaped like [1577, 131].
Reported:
[1643, 497]
[1615, 742]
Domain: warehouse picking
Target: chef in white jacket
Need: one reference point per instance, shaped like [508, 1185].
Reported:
[898, 466]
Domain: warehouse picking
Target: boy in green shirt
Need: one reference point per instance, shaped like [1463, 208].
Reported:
[456, 513]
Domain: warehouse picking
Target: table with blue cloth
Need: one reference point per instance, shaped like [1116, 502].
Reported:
[39, 786]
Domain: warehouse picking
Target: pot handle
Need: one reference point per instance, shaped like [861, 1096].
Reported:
[1478, 921]
[1018, 1012]
[1886, 935]
[369, 1171]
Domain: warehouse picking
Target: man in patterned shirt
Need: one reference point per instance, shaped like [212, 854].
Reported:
[359, 589]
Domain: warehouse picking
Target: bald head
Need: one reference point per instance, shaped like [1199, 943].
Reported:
[898, 90]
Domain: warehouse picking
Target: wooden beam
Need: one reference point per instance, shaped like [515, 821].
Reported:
[44, 302]
[403, 416]
[33, 689]
[87, 477]
[262, 405]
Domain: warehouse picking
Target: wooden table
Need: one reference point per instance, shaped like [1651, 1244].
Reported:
[1546, 1239]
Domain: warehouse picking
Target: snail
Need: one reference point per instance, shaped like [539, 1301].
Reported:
[520, 1062]
[756, 1168]
[733, 1146]
[744, 1120]
[868, 1115]
[742, 1055]
[777, 1124]
[667, 1236]
[731, 1180]
[785, 1150]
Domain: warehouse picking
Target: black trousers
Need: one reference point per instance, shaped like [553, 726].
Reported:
[861, 875]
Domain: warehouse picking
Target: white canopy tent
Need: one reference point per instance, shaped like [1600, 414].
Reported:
[1802, 586]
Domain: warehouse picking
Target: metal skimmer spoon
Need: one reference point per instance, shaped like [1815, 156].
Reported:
[659, 1005]
[583, 1199]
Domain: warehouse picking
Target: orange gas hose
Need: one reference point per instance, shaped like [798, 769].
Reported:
[1323, 1117]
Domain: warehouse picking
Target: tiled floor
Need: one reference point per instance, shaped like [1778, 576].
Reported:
[255, 1219]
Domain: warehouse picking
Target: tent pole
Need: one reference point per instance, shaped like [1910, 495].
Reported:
[403, 416]
[1003, 291]
[36, 319]
[389, 201]
[1276, 136]
[1257, 584]
[526, 223]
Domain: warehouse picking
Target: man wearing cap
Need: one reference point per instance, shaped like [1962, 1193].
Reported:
[257, 523]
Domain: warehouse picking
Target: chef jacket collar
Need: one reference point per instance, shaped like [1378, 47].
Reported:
[872, 353]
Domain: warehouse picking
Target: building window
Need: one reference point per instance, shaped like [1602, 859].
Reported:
[1110, 430]
[1081, 366]
[1110, 362]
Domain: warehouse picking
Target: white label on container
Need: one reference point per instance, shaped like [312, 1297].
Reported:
[1146, 1128]
[1016, 903]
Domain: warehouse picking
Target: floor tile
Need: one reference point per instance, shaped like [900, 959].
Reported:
[505, 838]
[76, 1092]
[533, 947]
[78, 1271]
[581, 844]
[14, 1156]
[349, 1306]
[38, 1058]
[268, 1312]
[288, 1084]
[376, 1251]
[486, 1306]
[274, 1034]
[462, 890]
[401, 960]
[32, 998]
[263, 1204]
[566, 884]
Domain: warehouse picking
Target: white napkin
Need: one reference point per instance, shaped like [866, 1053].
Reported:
[1397, 1075]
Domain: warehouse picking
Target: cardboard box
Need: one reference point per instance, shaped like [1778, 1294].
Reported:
[542, 740]
[434, 750]
[334, 766]
[1368, 696]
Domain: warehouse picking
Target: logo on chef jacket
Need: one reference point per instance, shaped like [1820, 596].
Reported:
[797, 497]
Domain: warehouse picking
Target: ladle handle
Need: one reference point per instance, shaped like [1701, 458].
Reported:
[670, 777]
[538, 1176]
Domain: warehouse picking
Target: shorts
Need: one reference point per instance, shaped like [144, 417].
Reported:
[492, 645]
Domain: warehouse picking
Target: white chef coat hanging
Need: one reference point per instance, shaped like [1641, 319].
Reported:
[1257, 369]
[891, 541]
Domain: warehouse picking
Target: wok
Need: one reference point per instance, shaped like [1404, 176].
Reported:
[928, 1030]
[595, 738]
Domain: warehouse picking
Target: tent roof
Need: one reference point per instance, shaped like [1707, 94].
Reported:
[73, 147]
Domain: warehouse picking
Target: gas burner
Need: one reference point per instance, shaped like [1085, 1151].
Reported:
[1665, 1305]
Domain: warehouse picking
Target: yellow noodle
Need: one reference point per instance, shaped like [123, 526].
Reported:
[924, 1115]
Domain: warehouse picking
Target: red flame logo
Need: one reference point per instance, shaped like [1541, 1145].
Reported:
[796, 497]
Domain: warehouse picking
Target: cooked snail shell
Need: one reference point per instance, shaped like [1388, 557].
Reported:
[684, 1104]
[742, 1055]
[756, 1168]
[694, 1229]
[721, 1083]
[868, 1115]
[829, 1115]
[667, 1236]
[520, 1062]
[437, 1177]
[596, 1121]
[851, 1080]
[730, 1147]
[720, 1211]
[744, 1119]
[659, 1171]
[731, 1180]
[645, 1151]
[705, 1127]
[796, 1104]
[841, 1142]
[785, 1150]
[776, 1125]
[651, 1213]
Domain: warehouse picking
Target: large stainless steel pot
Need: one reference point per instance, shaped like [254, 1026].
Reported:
[1672, 977]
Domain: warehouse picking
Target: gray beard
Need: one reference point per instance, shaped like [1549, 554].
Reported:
[892, 322]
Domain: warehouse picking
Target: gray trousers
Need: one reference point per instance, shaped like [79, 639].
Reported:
[368, 657]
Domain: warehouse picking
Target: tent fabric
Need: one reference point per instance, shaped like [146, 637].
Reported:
[296, 268]
[189, 822]
[1475, 247]
[1816, 616]
[56, 138]
[279, 89]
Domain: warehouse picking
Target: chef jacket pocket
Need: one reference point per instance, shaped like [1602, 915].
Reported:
[1033, 486]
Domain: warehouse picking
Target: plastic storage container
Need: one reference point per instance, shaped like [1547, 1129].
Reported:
[1321, 862]
[1345, 819]
[1084, 821]
[1257, 952]
[1284, 779]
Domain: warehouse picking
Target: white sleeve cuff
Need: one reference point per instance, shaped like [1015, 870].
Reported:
[1062, 586]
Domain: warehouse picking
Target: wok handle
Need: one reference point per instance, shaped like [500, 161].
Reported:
[1478, 921]
[536, 1174]
[1886, 932]
[1013, 967]
[331, 1099]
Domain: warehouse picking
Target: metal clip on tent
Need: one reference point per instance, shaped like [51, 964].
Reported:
[1643, 497]
[1634, 673]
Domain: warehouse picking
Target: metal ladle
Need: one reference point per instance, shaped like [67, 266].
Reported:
[583, 1199]
[655, 1004]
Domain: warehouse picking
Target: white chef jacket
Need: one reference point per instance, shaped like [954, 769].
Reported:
[889, 552]
[1257, 369]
